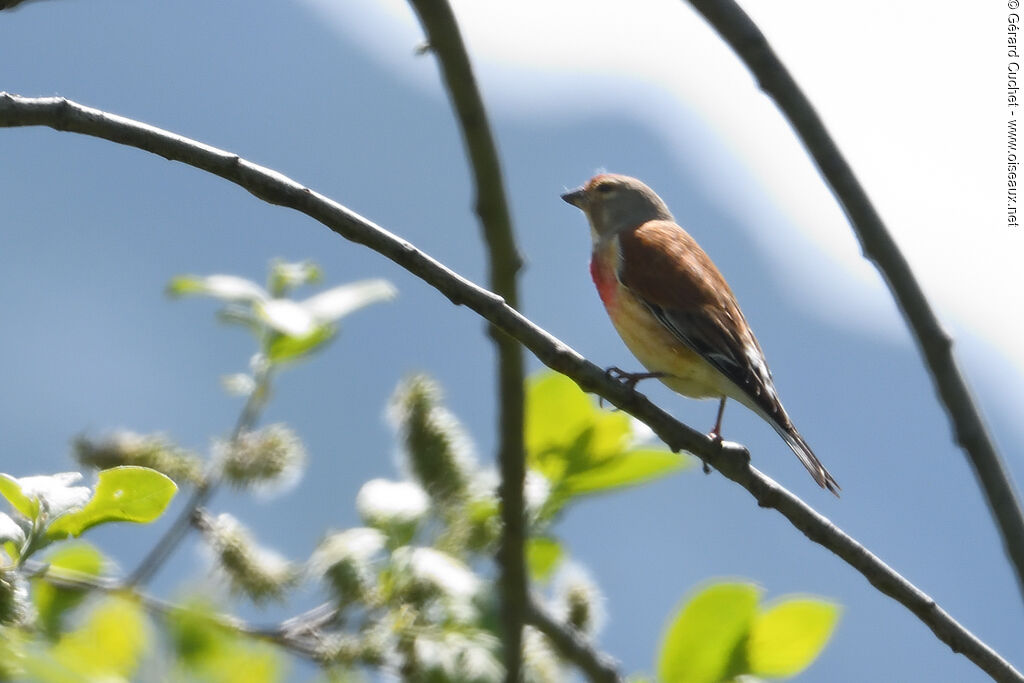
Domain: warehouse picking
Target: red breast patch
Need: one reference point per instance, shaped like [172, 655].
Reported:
[604, 278]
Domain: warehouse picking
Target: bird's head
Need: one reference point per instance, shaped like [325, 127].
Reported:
[614, 203]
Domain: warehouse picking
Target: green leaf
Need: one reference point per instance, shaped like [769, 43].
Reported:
[247, 662]
[612, 434]
[543, 554]
[9, 489]
[581, 449]
[13, 551]
[285, 348]
[701, 643]
[628, 469]
[559, 461]
[12, 648]
[216, 654]
[194, 634]
[52, 602]
[786, 638]
[224, 287]
[556, 412]
[109, 644]
[123, 494]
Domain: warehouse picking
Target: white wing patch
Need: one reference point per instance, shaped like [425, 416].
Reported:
[758, 365]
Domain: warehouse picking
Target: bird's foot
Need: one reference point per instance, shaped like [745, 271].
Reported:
[717, 438]
[628, 379]
[631, 379]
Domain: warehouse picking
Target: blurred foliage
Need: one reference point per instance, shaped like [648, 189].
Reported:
[410, 593]
[720, 634]
[581, 449]
[123, 494]
[289, 329]
[155, 451]
[48, 508]
[206, 650]
[51, 601]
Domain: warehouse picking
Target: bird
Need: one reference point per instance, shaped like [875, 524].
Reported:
[675, 311]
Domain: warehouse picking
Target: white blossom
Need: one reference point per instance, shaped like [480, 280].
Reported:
[577, 599]
[440, 570]
[55, 492]
[10, 531]
[381, 501]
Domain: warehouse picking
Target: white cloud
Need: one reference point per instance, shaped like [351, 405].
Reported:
[913, 95]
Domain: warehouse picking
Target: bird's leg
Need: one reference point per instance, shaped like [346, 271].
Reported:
[716, 432]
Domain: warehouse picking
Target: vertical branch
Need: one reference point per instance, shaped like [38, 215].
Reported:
[969, 430]
[445, 41]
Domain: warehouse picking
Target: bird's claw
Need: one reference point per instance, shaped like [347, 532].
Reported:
[630, 379]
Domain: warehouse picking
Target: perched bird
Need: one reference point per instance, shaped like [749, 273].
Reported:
[675, 311]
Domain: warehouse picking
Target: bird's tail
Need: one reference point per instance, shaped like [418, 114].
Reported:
[807, 457]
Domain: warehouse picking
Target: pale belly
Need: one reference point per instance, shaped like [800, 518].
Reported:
[659, 351]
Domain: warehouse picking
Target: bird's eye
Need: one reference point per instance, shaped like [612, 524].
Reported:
[605, 188]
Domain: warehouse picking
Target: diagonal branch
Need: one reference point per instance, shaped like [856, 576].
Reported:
[731, 460]
[504, 261]
[969, 430]
[203, 491]
[574, 646]
[285, 635]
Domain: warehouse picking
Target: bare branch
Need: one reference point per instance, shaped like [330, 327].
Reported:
[445, 41]
[574, 646]
[730, 459]
[733, 24]
[285, 635]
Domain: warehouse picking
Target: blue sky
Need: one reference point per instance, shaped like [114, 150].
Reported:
[333, 96]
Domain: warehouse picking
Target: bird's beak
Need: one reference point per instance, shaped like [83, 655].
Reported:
[577, 198]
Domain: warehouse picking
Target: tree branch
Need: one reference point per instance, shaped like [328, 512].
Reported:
[286, 635]
[574, 646]
[203, 491]
[969, 430]
[732, 460]
[445, 41]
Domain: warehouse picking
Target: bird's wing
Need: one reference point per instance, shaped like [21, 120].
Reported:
[666, 269]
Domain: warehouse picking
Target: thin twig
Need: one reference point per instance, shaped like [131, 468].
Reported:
[935, 344]
[285, 634]
[574, 646]
[445, 41]
[202, 493]
[171, 538]
[730, 459]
